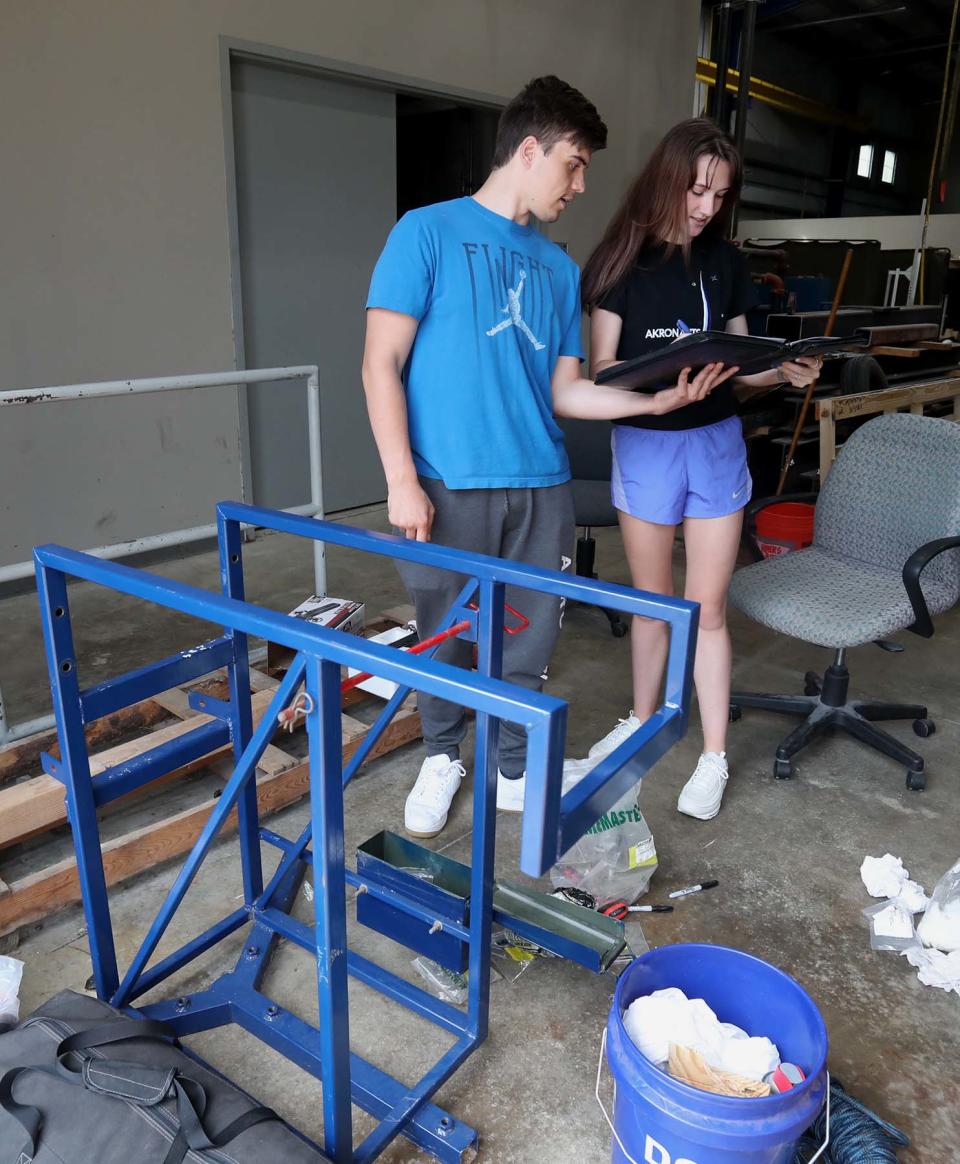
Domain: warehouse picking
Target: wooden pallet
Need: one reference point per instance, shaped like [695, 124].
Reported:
[36, 805]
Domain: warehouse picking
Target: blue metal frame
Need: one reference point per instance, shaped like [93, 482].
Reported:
[551, 822]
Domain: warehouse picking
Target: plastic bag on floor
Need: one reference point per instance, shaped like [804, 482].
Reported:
[11, 972]
[940, 925]
[616, 859]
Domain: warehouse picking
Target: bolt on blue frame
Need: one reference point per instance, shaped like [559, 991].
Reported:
[551, 821]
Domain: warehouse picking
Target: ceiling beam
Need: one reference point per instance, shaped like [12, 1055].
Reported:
[780, 98]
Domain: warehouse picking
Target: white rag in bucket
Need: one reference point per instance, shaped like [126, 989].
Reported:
[656, 1020]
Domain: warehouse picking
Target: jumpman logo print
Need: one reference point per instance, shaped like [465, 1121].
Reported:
[514, 318]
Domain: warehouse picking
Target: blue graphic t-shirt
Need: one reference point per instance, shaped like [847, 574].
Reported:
[497, 304]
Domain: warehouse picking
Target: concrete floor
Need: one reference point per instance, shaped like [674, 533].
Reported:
[787, 855]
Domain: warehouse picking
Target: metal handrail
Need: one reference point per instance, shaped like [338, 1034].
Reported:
[18, 397]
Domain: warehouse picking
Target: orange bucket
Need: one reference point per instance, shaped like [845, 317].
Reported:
[784, 527]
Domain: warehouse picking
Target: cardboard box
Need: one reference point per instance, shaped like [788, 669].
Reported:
[403, 636]
[335, 613]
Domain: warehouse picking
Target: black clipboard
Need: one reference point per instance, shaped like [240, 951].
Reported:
[750, 353]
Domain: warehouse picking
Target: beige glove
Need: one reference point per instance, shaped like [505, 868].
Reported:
[689, 1066]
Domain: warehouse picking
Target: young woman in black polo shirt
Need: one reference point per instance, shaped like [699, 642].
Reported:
[662, 269]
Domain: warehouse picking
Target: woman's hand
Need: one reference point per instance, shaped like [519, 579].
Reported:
[687, 391]
[802, 371]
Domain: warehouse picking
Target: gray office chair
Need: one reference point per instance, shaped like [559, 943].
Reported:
[588, 447]
[888, 513]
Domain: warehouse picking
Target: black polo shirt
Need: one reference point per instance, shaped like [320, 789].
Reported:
[661, 290]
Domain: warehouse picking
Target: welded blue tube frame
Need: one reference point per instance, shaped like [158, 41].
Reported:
[329, 902]
[379, 725]
[144, 682]
[75, 774]
[293, 851]
[232, 791]
[373, 1090]
[229, 545]
[337, 1067]
[548, 821]
[549, 825]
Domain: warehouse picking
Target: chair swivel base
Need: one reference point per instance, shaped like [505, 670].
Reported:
[825, 707]
[586, 554]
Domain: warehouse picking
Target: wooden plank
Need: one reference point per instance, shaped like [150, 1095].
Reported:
[890, 350]
[40, 894]
[36, 805]
[177, 702]
[401, 615]
[24, 756]
[828, 445]
[899, 396]
[261, 681]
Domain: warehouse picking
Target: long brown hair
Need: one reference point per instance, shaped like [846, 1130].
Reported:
[654, 209]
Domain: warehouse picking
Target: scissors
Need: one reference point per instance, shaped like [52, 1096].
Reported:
[618, 910]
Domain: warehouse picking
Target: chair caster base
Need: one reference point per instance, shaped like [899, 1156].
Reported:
[916, 779]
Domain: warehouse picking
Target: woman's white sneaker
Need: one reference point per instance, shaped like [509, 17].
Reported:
[703, 792]
[613, 739]
[427, 806]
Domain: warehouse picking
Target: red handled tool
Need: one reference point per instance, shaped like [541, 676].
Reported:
[619, 909]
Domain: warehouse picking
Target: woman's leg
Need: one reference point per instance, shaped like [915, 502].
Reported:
[649, 550]
[711, 545]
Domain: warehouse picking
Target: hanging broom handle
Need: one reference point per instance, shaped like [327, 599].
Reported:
[808, 396]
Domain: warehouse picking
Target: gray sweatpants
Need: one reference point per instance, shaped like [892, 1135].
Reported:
[533, 526]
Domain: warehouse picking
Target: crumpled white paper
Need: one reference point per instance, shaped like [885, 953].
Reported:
[11, 972]
[656, 1020]
[886, 877]
[935, 968]
[935, 951]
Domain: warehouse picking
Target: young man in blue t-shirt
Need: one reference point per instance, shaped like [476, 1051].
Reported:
[472, 347]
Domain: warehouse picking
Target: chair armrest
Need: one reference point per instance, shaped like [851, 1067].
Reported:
[916, 563]
[755, 507]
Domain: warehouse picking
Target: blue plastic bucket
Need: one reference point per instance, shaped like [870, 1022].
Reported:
[659, 1120]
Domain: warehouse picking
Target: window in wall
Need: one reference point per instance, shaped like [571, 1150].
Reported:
[865, 161]
[889, 171]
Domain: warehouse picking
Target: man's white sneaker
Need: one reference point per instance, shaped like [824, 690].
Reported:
[703, 792]
[510, 793]
[613, 739]
[428, 804]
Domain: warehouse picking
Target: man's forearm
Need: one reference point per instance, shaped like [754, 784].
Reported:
[387, 409]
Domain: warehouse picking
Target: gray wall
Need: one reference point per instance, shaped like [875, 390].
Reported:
[116, 258]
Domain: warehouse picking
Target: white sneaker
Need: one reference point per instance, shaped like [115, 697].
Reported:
[613, 739]
[428, 804]
[510, 793]
[703, 792]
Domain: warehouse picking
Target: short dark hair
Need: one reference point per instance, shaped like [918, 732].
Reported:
[550, 110]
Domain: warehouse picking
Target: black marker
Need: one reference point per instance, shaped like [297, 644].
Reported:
[693, 889]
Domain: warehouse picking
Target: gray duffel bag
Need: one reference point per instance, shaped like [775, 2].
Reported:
[81, 1083]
